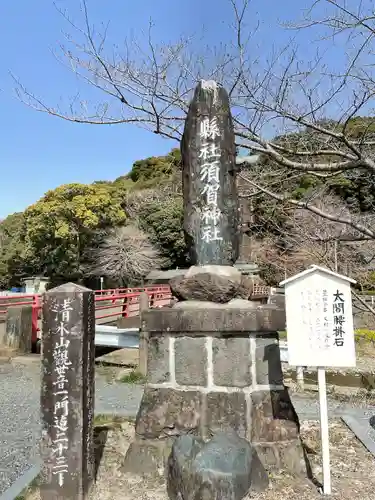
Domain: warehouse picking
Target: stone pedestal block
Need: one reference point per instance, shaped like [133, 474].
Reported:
[165, 413]
[145, 456]
[212, 370]
[224, 412]
[190, 361]
[158, 359]
[273, 417]
[231, 359]
[268, 365]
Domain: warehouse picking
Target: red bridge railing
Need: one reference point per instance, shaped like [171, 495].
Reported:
[111, 303]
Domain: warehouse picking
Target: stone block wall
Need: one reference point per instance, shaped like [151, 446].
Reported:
[217, 369]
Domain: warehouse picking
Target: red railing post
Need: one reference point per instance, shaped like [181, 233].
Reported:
[127, 300]
[125, 304]
[152, 300]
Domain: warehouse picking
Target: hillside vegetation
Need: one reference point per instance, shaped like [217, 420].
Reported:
[67, 234]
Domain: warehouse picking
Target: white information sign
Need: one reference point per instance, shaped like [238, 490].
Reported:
[319, 319]
[319, 323]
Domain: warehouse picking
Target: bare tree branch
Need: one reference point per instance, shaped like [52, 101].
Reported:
[310, 104]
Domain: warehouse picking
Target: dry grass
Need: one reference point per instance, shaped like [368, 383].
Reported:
[352, 468]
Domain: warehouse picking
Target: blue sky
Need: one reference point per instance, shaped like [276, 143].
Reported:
[39, 152]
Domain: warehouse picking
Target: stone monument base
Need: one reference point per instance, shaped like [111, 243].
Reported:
[213, 370]
[164, 277]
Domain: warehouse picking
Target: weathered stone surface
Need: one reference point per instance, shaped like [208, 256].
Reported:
[203, 304]
[268, 364]
[18, 328]
[273, 417]
[130, 322]
[242, 304]
[191, 361]
[67, 397]
[146, 456]
[286, 455]
[197, 304]
[224, 468]
[229, 272]
[204, 286]
[246, 287]
[226, 411]
[231, 362]
[158, 359]
[277, 300]
[246, 268]
[222, 320]
[208, 141]
[2, 331]
[165, 413]
[158, 277]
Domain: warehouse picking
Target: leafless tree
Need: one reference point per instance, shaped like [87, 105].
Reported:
[126, 255]
[305, 238]
[289, 93]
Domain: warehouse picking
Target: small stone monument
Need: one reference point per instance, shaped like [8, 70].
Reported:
[67, 396]
[18, 330]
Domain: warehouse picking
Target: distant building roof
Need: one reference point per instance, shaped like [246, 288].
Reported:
[35, 278]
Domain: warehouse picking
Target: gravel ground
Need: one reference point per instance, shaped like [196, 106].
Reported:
[19, 421]
[351, 467]
[19, 412]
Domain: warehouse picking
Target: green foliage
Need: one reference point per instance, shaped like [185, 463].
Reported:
[62, 224]
[360, 334]
[359, 126]
[164, 222]
[150, 171]
[364, 334]
[356, 187]
[53, 236]
[12, 268]
[305, 183]
[133, 377]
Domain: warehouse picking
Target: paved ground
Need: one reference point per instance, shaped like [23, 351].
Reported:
[19, 413]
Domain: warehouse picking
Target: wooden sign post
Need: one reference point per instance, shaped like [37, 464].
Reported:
[319, 318]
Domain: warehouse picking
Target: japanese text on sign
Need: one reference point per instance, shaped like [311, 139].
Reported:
[209, 155]
[338, 318]
[319, 318]
[61, 365]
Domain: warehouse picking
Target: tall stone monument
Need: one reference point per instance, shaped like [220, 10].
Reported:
[209, 178]
[67, 396]
[213, 358]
